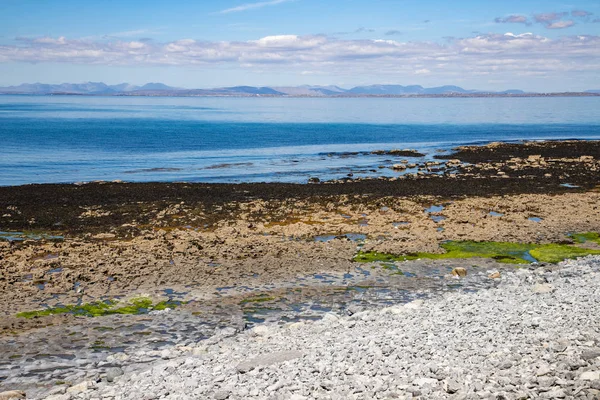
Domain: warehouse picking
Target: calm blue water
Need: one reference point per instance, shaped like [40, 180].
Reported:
[76, 138]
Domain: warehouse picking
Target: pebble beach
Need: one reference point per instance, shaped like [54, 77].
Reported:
[535, 335]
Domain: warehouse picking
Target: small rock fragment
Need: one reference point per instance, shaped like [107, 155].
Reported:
[459, 271]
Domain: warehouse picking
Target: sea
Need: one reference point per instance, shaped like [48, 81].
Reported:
[68, 139]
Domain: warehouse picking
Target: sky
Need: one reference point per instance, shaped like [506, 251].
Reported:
[534, 45]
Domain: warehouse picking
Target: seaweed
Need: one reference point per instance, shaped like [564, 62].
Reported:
[137, 305]
[504, 252]
[258, 299]
[586, 237]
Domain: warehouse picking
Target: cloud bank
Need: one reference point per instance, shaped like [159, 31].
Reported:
[551, 20]
[525, 54]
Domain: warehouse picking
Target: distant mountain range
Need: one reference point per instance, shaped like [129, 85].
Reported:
[160, 89]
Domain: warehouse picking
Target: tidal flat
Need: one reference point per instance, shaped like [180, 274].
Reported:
[118, 267]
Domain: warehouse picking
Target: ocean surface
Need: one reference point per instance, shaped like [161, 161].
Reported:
[52, 139]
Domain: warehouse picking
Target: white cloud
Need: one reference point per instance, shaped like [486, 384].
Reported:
[495, 54]
[48, 40]
[252, 6]
[560, 25]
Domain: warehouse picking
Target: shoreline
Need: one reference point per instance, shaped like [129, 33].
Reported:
[236, 255]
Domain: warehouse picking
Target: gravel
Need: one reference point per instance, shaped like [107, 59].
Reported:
[535, 335]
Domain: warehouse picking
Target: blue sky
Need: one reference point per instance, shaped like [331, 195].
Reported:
[533, 45]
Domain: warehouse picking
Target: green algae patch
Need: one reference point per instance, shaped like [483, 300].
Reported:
[586, 237]
[504, 252]
[137, 305]
[554, 253]
[163, 305]
[257, 299]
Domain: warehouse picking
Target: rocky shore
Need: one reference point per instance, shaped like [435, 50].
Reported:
[117, 275]
[535, 335]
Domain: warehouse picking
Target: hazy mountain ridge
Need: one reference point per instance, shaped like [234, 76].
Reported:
[160, 89]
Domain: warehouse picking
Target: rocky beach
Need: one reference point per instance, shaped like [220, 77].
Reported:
[441, 282]
[535, 335]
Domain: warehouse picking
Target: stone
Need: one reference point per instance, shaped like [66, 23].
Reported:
[260, 330]
[227, 332]
[494, 275]
[330, 317]
[59, 397]
[590, 376]
[112, 373]
[558, 346]
[104, 236]
[296, 325]
[590, 354]
[80, 387]
[425, 381]
[543, 370]
[222, 394]
[459, 271]
[542, 288]
[413, 305]
[267, 359]
[451, 386]
[556, 394]
[13, 394]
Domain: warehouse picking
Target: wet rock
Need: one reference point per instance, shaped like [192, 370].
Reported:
[460, 272]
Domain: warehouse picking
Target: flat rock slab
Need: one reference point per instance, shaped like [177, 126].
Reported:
[267, 359]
